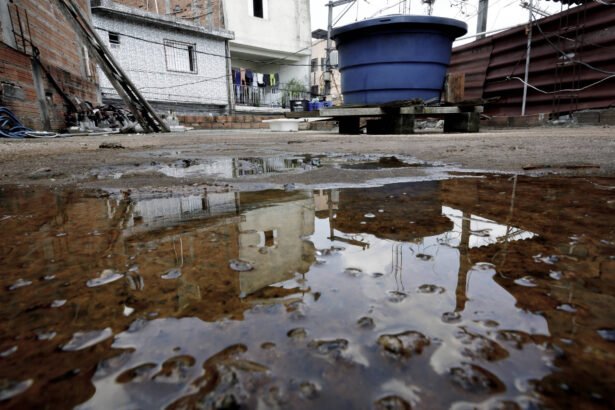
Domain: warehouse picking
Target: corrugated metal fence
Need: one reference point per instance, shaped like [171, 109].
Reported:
[572, 63]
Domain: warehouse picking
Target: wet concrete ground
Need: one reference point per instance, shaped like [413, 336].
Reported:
[80, 161]
[365, 280]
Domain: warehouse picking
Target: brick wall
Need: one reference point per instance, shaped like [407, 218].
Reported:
[61, 54]
[208, 13]
[206, 122]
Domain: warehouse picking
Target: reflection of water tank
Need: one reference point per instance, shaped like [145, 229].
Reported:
[409, 211]
[395, 57]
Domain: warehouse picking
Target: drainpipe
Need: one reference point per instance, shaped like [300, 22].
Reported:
[229, 78]
[527, 59]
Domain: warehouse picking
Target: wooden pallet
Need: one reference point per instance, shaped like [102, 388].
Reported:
[401, 119]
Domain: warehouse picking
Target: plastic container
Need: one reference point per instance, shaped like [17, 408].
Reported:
[393, 58]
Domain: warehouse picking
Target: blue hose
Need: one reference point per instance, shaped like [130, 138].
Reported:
[10, 127]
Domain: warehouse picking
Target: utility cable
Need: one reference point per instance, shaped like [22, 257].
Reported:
[266, 62]
[564, 90]
[565, 55]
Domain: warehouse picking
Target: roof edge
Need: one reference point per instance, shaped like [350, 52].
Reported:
[109, 7]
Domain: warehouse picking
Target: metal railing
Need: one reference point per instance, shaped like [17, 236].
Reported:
[276, 96]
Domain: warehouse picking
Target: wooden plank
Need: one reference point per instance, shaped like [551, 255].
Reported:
[352, 112]
[302, 114]
[417, 110]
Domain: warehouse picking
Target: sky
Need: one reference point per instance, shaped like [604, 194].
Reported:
[502, 13]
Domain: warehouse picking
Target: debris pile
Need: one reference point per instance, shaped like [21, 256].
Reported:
[104, 118]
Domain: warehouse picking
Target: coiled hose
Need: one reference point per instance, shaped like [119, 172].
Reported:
[11, 127]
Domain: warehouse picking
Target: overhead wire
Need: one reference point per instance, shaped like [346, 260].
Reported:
[264, 62]
[565, 55]
[569, 90]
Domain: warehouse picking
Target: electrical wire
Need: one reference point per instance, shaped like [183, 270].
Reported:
[263, 62]
[565, 55]
[569, 90]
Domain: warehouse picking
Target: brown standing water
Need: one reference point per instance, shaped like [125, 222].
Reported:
[494, 292]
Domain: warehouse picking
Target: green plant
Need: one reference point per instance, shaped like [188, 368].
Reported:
[294, 90]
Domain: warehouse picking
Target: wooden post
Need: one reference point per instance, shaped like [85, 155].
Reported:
[455, 88]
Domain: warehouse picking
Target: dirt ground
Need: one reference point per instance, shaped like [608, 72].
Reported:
[79, 160]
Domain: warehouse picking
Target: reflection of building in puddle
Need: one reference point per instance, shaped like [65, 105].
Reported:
[272, 239]
[271, 231]
[230, 168]
[165, 211]
[326, 200]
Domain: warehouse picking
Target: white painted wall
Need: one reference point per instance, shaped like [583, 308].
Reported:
[285, 27]
[145, 64]
[284, 32]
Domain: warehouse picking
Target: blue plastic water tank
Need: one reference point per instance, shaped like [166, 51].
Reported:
[393, 58]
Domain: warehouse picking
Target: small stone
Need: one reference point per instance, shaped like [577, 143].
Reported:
[20, 283]
[392, 403]
[58, 303]
[424, 257]
[451, 317]
[328, 346]
[607, 334]
[11, 388]
[475, 379]
[297, 334]
[172, 274]
[240, 266]
[404, 344]
[366, 322]
[309, 390]
[8, 352]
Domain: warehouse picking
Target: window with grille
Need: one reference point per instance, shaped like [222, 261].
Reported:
[180, 57]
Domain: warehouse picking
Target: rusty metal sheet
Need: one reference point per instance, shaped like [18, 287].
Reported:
[586, 34]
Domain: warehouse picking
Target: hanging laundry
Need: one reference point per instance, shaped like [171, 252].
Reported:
[242, 72]
[236, 76]
[267, 80]
[277, 78]
[249, 77]
[272, 80]
[260, 79]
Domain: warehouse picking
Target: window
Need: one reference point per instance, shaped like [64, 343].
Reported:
[180, 56]
[114, 39]
[258, 8]
[314, 64]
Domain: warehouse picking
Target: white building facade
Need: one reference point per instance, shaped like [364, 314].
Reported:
[272, 38]
[176, 65]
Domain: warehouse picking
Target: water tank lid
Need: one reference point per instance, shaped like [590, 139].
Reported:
[456, 28]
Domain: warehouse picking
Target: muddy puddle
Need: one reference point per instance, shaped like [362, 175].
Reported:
[492, 292]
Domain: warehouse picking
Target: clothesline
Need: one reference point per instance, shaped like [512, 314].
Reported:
[247, 77]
